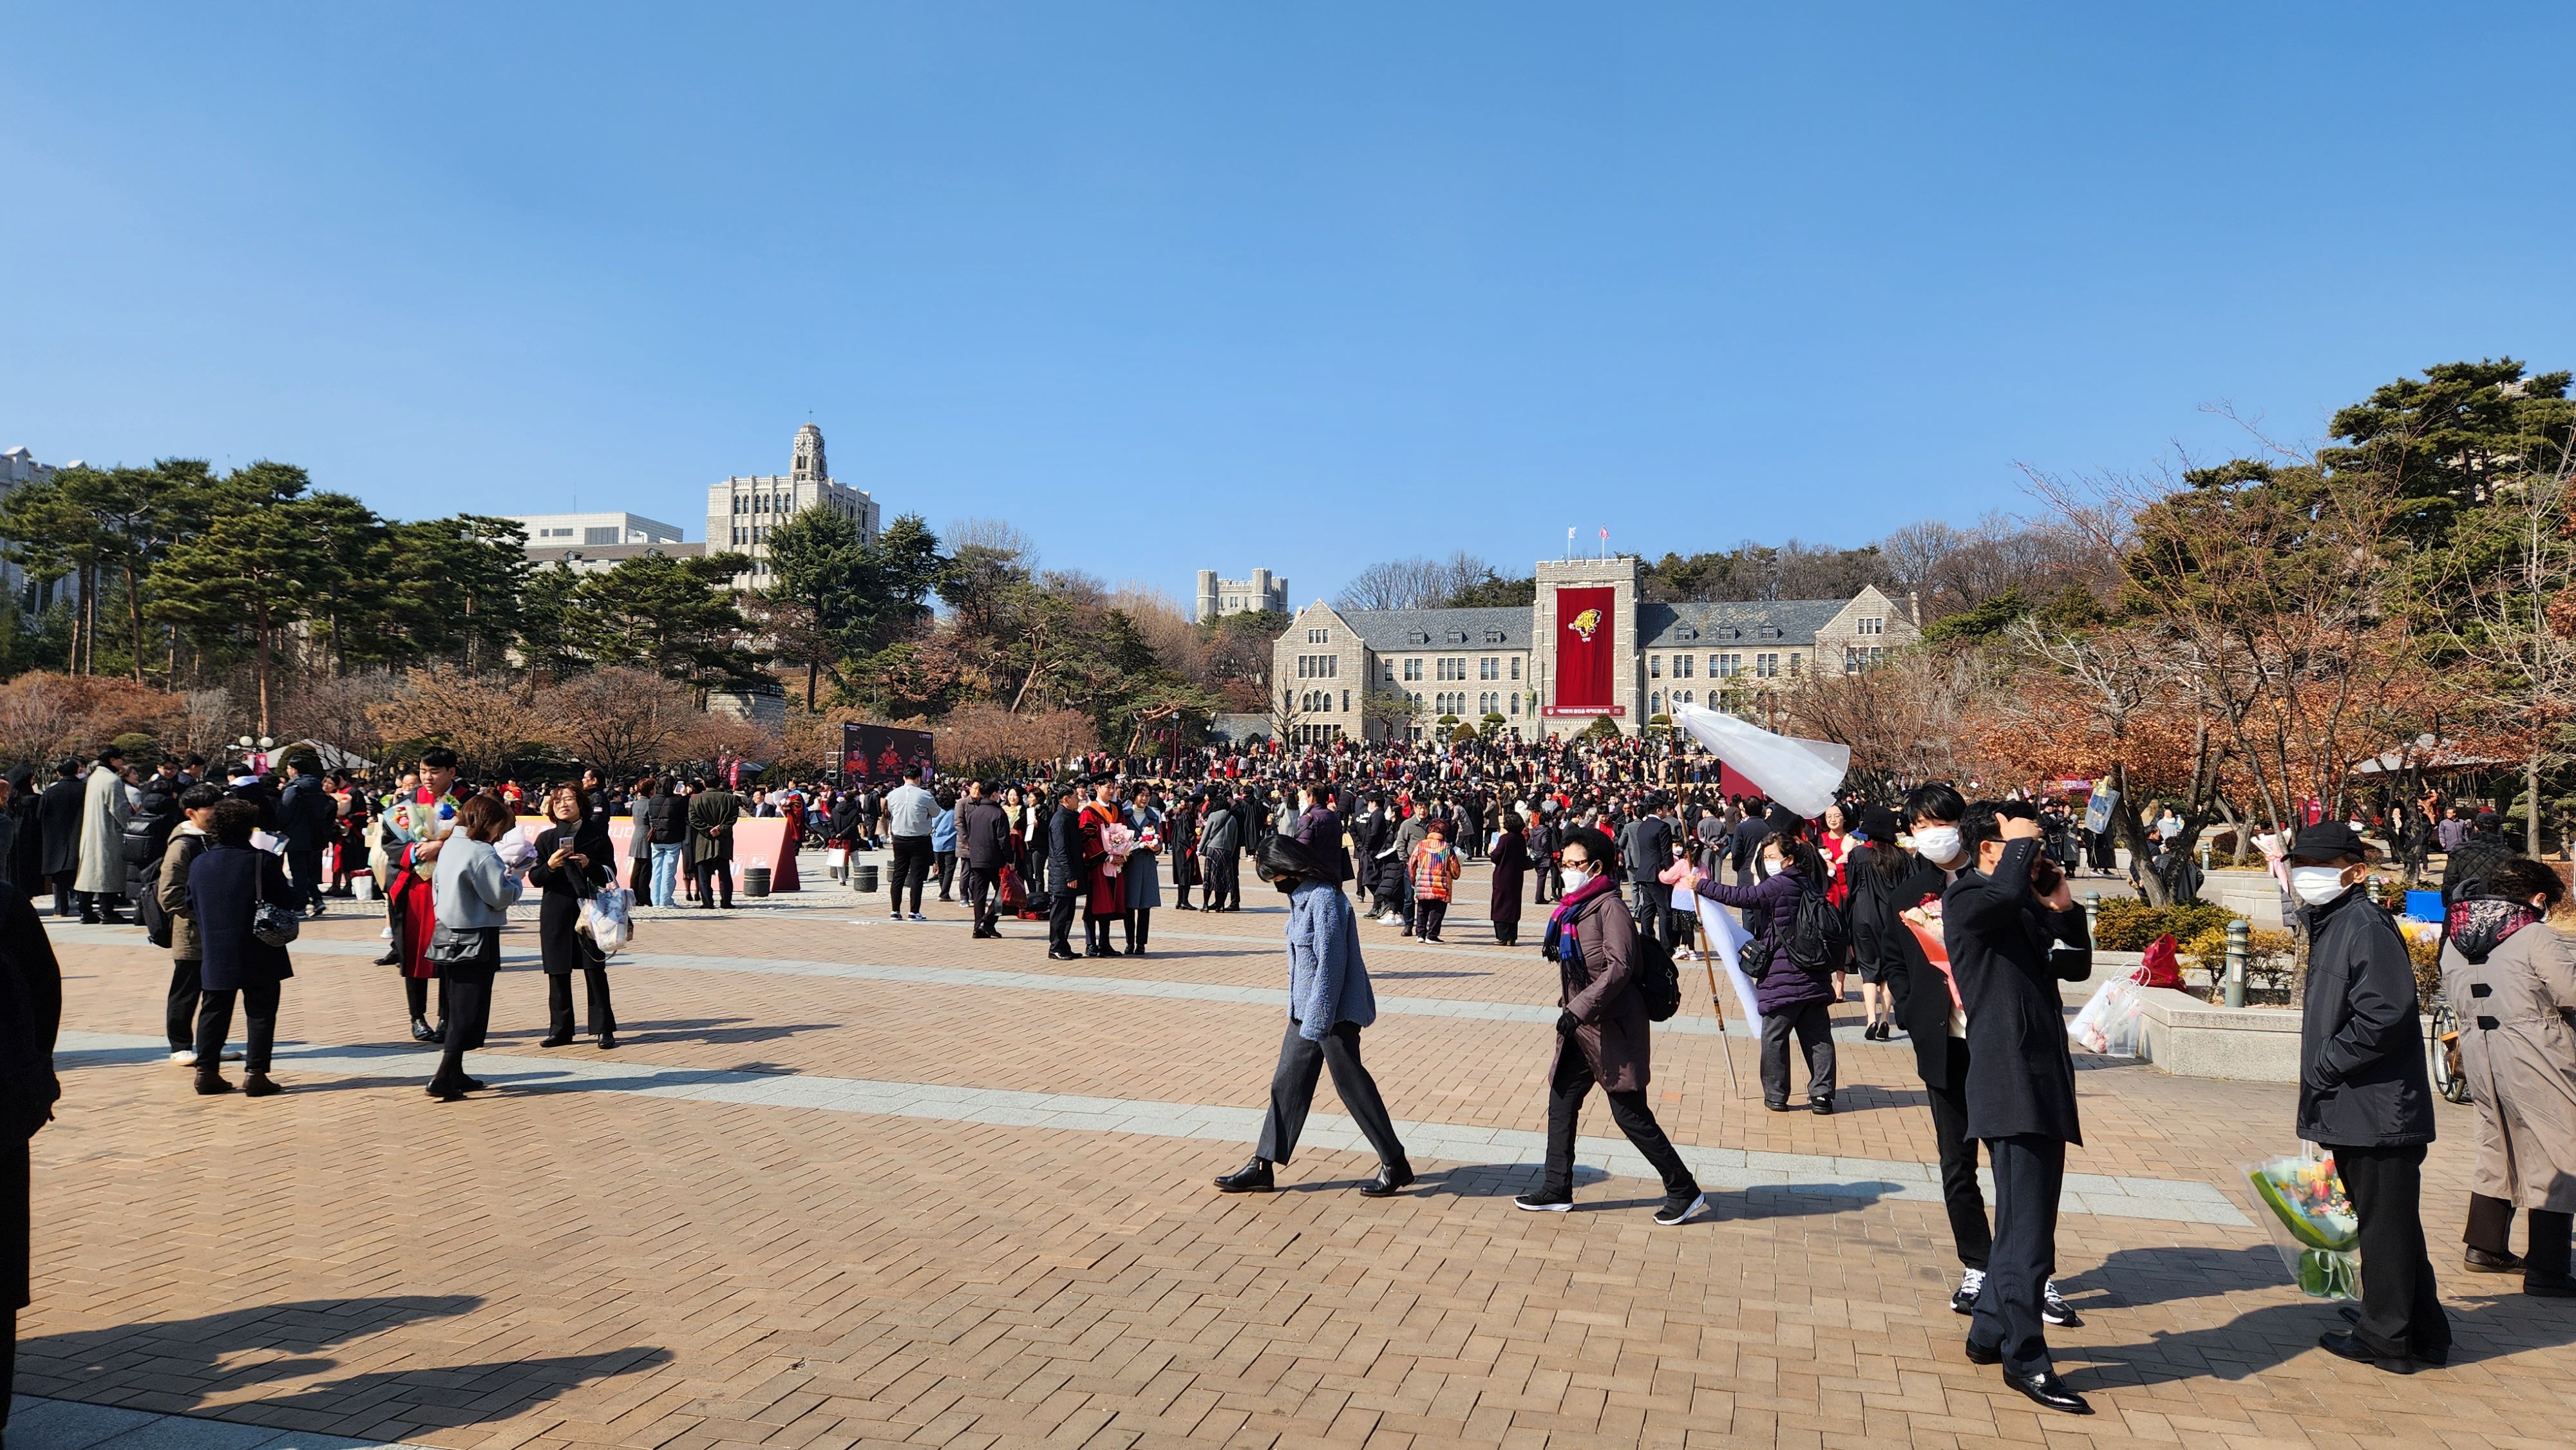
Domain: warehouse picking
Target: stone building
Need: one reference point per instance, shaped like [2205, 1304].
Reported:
[1587, 649]
[1220, 597]
[742, 510]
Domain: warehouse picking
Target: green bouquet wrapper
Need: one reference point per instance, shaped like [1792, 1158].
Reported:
[2311, 1222]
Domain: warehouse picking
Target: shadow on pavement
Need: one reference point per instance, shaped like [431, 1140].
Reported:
[140, 1364]
[2265, 1338]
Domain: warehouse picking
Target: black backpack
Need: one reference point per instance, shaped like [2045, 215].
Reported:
[1819, 937]
[1658, 980]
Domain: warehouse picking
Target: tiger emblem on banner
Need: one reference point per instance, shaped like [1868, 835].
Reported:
[1585, 623]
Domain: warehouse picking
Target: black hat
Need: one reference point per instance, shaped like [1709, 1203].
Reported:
[1785, 822]
[2327, 841]
[1880, 825]
[1287, 856]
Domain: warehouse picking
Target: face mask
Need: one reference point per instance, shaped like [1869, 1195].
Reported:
[2316, 885]
[1939, 844]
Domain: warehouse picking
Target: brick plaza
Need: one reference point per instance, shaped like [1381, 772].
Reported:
[849, 1182]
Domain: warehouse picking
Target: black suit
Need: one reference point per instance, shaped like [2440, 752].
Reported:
[1922, 1008]
[1064, 871]
[58, 821]
[984, 833]
[2021, 1082]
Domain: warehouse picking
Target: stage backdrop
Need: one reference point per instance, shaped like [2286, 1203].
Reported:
[877, 754]
[1586, 635]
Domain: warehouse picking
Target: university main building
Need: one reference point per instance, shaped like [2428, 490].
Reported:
[1586, 650]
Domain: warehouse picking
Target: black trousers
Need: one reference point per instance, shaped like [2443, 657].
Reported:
[1649, 904]
[1551, 881]
[62, 881]
[2491, 1230]
[1224, 881]
[1814, 1026]
[469, 1012]
[2401, 1312]
[946, 861]
[1565, 1091]
[1507, 933]
[17, 1243]
[215, 1023]
[911, 867]
[1428, 913]
[1140, 926]
[2030, 1170]
[416, 996]
[1960, 1194]
[603, 1016]
[1060, 913]
[181, 1017]
[304, 873]
[99, 903]
[1292, 1094]
[715, 881]
[984, 895]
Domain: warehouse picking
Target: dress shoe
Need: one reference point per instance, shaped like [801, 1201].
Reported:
[608, 1042]
[1252, 1177]
[2480, 1261]
[447, 1094]
[2549, 1286]
[1110, 951]
[555, 1039]
[260, 1085]
[1978, 1355]
[1822, 1107]
[1779, 1107]
[474, 1084]
[210, 1083]
[1391, 1178]
[390, 959]
[2047, 1390]
[438, 1034]
[420, 1030]
[1056, 956]
[2349, 1346]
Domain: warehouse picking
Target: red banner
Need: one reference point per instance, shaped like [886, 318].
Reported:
[1586, 634]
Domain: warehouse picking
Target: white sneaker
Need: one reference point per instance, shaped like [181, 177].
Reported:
[898, 916]
[1972, 1282]
[184, 1057]
[1390, 919]
[385, 935]
[917, 916]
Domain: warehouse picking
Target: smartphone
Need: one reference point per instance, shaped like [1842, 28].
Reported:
[2045, 875]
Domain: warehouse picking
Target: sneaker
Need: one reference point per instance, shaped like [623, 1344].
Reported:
[898, 916]
[185, 1057]
[1679, 1209]
[1542, 1201]
[917, 916]
[1972, 1282]
[2053, 1308]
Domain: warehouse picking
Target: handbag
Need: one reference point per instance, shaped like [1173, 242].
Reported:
[451, 946]
[273, 925]
[1754, 957]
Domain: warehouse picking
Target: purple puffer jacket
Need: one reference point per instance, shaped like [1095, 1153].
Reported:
[1787, 986]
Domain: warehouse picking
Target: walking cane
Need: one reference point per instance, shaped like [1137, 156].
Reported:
[1716, 1004]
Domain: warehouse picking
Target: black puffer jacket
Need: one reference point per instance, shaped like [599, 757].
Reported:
[2362, 1076]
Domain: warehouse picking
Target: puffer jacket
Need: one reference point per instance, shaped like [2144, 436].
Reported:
[1787, 986]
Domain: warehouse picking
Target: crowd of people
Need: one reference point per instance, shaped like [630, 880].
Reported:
[1956, 915]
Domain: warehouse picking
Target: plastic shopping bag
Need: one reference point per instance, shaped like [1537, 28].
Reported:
[608, 918]
[2109, 1022]
[2312, 1223]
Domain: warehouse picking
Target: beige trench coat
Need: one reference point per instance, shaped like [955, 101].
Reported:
[2519, 1054]
[102, 849]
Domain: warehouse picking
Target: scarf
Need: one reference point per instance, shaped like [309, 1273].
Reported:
[1559, 944]
[2478, 926]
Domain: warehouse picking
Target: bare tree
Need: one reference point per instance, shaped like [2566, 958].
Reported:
[1415, 583]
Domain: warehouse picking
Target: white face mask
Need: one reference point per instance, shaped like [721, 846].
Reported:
[2316, 885]
[1939, 844]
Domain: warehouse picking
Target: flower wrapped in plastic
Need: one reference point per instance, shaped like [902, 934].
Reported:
[1119, 842]
[2311, 1222]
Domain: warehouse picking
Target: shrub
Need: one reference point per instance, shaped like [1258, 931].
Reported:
[2271, 958]
[2126, 924]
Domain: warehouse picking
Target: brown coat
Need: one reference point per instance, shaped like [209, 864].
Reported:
[1611, 1009]
[186, 844]
[2522, 1070]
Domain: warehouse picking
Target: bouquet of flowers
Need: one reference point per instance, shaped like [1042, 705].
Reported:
[2312, 1223]
[1119, 842]
[1924, 920]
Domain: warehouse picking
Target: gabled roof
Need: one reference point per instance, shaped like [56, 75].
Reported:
[1394, 631]
[1732, 624]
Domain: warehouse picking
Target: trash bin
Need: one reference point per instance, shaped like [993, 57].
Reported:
[755, 881]
[863, 877]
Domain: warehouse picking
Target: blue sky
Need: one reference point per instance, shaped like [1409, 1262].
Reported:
[1185, 285]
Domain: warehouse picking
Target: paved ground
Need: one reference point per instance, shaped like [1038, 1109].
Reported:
[851, 1182]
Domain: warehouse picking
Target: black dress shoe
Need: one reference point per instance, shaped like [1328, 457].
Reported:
[447, 1094]
[2348, 1346]
[210, 1083]
[1056, 956]
[475, 1084]
[608, 1042]
[420, 1030]
[2549, 1286]
[1391, 1179]
[1822, 1107]
[1779, 1107]
[1977, 1355]
[1252, 1177]
[2479, 1261]
[390, 959]
[2046, 1389]
[555, 1039]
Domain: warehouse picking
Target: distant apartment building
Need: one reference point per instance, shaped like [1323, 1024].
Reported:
[1221, 597]
[586, 542]
[18, 466]
[743, 510]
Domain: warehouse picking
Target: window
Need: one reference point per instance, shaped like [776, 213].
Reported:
[1654, 667]
[1452, 668]
[1655, 703]
[1489, 668]
[1766, 666]
[1516, 702]
[1516, 667]
[1346, 702]
[1682, 666]
[1726, 666]
[1413, 669]
[1873, 626]
[1712, 665]
[1319, 636]
[1681, 697]
[1390, 672]
[1793, 665]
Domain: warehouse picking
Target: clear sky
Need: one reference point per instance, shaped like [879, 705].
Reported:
[1233, 285]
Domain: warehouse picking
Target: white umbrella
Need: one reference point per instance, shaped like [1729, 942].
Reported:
[1799, 774]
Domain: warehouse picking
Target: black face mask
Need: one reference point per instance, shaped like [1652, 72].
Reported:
[1286, 884]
